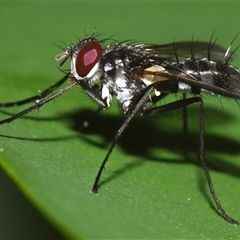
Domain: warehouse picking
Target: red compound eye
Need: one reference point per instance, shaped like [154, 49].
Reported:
[87, 58]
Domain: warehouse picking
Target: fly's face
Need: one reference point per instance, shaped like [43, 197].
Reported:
[85, 59]
[85, 67]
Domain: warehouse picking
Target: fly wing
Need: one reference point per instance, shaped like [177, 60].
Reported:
[188, 49]
[191, 80]
[155, 75]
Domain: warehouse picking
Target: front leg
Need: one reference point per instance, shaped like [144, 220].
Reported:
[94, 93]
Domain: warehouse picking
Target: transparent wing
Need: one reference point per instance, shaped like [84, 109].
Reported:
[157, 74]
[183, 50]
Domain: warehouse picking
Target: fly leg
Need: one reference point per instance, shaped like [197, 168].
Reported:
[135, 110]
[38, 104]
[38, 97]
[180, 104]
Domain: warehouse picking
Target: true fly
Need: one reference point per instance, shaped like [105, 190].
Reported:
[139, 76]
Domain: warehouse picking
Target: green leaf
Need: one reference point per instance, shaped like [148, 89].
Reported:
[152, 186]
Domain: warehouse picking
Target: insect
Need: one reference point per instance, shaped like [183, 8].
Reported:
[141, 75]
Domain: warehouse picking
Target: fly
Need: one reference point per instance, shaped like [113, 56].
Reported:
[139, 76]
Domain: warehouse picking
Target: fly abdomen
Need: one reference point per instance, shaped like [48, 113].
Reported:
[205, 75]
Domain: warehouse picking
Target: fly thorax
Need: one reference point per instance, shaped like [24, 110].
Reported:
[125, 89]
